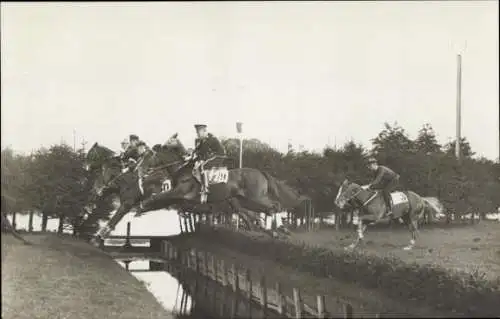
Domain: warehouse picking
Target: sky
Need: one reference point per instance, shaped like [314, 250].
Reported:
[313, 73]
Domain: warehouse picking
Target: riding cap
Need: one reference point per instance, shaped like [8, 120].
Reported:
[199, 126]
[133, 137]
[141, 143]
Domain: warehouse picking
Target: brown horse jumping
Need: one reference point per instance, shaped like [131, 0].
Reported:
[168, 182]
[246, 190]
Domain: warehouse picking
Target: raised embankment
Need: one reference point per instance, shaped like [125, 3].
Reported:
[61, 277]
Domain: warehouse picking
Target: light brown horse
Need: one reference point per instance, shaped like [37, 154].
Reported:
[407, 205]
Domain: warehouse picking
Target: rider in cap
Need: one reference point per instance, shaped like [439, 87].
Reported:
[142, 150]
[385, 180]
[131, 154]
[208, 153]
[124, 144]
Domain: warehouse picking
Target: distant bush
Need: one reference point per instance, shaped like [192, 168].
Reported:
[469, 294]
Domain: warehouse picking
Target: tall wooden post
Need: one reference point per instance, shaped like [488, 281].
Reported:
[127, 239]
[459, 108]
[30, 221]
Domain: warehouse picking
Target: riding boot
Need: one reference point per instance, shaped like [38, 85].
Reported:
[205, 182]
[388, 204]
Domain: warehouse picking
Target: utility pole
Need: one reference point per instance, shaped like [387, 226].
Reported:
[239, 130]
[74, 140]
[459, 108]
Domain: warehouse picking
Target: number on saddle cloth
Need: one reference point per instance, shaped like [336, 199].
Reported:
[398, 198]
[166, 185]
[217, 175]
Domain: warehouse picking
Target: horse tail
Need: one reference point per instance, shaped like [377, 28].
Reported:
[285, 195]
[436, 207]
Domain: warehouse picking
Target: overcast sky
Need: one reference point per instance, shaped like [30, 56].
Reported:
[314, 73]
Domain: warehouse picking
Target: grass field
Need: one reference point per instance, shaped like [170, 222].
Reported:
[470, 248]
[61, 277]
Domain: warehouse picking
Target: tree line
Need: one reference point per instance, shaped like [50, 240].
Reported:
[53, 181]
[426, 167]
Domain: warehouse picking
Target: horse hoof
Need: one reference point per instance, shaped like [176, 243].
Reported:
[95, 242]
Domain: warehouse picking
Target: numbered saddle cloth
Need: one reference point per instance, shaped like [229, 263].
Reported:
[400, 203]
[217, 175]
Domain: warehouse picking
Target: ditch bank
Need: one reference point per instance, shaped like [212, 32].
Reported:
[452, 292]
[62, 277]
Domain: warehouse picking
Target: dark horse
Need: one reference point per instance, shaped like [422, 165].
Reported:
[408, 205]
[110, 178]
[166, 172]
[246, 192]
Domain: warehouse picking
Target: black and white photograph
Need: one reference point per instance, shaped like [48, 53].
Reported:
[250, 159]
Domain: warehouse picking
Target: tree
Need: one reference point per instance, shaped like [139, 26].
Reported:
[12, 179]
[426, 141]
[59, 187]
[256, 154]
[391, 140]
[465, 148]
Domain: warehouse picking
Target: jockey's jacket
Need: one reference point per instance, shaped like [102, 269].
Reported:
[383, 176]
[131, 152]
[208, 147]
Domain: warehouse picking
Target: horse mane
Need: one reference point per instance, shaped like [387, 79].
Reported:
[179, 148]
[114, 161]
[100, 151]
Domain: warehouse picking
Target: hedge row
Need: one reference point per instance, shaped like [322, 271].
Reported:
[457, 292]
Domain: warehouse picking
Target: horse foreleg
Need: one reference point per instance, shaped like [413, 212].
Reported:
[413, 226]
[361, 229]
[103, 232]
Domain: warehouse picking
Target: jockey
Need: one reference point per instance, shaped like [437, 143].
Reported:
[142, 150]
[131, 154]
[385, 180]
[125, 143]
[208, 153]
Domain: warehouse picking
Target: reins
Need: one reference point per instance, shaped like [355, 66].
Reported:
[367, 201]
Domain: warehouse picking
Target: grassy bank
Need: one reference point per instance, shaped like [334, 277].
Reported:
[454, 292]
[366, 303]
[61, 277]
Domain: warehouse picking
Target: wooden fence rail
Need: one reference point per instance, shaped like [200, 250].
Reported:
[240, 282]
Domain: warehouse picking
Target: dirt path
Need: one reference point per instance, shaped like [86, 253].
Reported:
[366, 303]
[470, 248]
[66, 278]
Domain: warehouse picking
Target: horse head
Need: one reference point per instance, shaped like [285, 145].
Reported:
[175, 144]
[109, 170]
[347, 191]
[96, 155]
